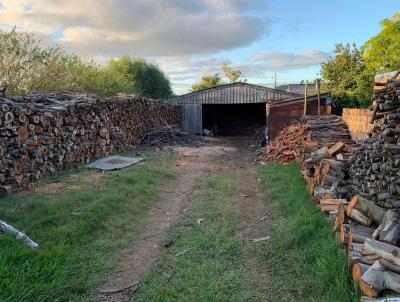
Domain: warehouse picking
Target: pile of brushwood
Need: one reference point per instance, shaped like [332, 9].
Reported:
[165, 135]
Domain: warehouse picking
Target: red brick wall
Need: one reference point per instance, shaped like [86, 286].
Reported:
[358, 122]
[281, 117]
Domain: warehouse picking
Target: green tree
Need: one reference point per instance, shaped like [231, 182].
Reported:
[22, 60]
[382, 52]
[26, 66]
[146, 79]
[347, 77]
[207, 81]
[340, 71]
[232, 75]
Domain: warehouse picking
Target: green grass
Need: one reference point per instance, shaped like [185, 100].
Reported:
[303, 257]
[210, 268]
[81, 233]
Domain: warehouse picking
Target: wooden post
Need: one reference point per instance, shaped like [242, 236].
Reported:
[305, 98]
[267, 123]
[319, 96]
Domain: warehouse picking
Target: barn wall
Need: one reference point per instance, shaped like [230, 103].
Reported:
[192, 118]
[282, 116]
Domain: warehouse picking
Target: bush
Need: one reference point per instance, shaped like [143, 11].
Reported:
[344, 100]
[144, 78]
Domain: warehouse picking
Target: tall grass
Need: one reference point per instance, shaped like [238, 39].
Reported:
[302, 254]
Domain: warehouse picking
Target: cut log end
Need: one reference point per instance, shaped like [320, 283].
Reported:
[368, 289]
[358, 270]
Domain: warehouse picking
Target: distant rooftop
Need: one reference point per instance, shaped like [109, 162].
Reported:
[299, 88]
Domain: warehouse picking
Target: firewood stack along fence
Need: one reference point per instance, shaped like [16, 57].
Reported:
[359, 187]
[42, 133]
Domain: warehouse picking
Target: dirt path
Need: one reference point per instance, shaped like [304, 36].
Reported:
[210, 157]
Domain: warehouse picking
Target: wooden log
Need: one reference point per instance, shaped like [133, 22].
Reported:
[344, 234]
[360, 217]
[388, 254]
[377, 279]
[23, 133]
[328, 208]
[6, 228]
[336, 148]
[9, 117]
[354, 255]
[333, 201]
[358, 270]
[359, 233]
[340, 216]
[389, 230]
[381, 299]
[366, 207]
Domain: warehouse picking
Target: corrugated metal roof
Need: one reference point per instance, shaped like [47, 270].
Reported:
[234, 93]
[325, 98]
[299, 88]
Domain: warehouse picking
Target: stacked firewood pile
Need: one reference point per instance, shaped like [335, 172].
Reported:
[42, 133]
[358, 187]
[165, 135]
[369, 233]
[317, 131]
[287, 145]
[370, 223]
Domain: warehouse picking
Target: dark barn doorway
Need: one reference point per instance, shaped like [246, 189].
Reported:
[235, 119]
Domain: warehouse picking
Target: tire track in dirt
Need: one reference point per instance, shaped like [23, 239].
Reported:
[193, 164]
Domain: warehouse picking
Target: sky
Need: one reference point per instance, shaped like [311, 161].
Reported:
[189, 38]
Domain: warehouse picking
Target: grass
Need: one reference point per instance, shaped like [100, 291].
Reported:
[81, 233]
[302, 254]
[210, 255]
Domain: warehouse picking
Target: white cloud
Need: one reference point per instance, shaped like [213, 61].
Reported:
[288, 61]
[141, 27]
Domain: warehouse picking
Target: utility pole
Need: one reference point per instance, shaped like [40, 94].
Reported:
[274, 80]
[305, 97]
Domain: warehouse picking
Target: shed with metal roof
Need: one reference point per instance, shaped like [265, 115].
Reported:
[228, 109]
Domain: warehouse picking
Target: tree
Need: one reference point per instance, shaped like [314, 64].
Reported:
[22, 60]
[232, 75]
[341, 70]
[347, 77]
[146, 79]
[207, 81]
[26, 66]
[382, 52]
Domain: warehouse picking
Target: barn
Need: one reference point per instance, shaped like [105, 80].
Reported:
[228, 109]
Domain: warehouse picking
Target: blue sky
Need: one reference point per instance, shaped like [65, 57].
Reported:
[313, 24]
[190, 38]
